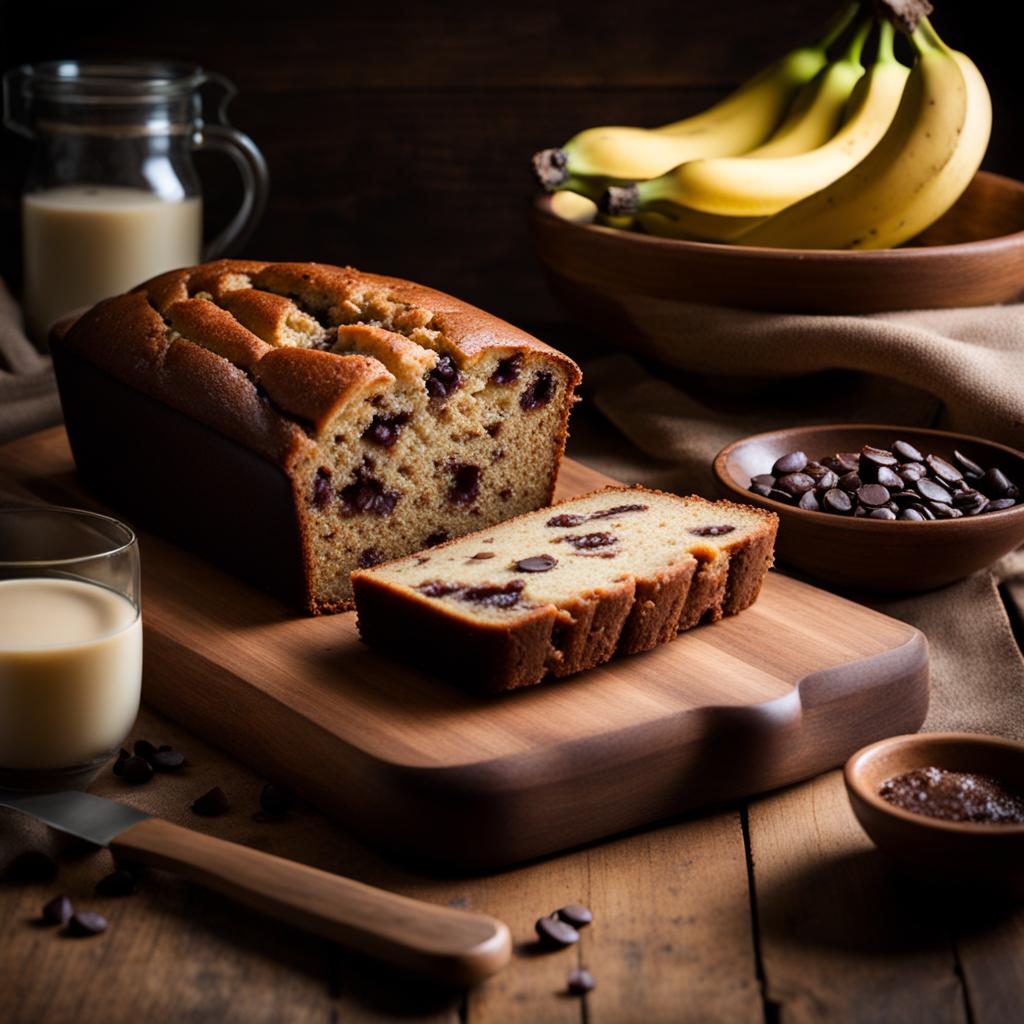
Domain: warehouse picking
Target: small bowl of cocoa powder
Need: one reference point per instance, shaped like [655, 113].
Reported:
[948, 806]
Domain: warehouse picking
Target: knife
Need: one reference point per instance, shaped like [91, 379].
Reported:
[456, 947]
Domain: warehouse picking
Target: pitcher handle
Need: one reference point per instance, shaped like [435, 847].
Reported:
[223, 138]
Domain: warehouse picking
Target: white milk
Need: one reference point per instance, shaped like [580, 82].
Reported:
[83, 243]
[70, 672]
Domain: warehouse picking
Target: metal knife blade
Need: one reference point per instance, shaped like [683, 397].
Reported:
[92, 818]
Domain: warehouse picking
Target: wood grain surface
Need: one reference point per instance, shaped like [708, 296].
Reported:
[790, 687]
[780, 911]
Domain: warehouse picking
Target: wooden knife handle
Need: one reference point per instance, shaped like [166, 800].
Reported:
[453, 946]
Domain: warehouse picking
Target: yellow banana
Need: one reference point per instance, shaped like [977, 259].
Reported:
[736, 124]
[919, 169]
[754, 186]
[694, 226]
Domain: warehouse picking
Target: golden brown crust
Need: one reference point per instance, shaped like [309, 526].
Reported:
[206, 324]
[122, 334]
[317, 386]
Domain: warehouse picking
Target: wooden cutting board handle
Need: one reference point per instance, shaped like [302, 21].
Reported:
[452, 946]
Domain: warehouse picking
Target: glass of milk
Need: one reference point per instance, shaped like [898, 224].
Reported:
[70, 645]
[112, 197]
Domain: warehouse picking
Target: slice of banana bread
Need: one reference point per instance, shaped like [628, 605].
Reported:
[392, 416]
[563, 589]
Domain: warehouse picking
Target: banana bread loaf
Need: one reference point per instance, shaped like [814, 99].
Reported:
[565, 588]
[295, 421]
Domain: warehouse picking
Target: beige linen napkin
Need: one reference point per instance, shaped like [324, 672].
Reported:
[686, 391]
[28, 392]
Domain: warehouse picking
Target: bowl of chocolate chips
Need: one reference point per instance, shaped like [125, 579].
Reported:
[949, 806]
[881, 508]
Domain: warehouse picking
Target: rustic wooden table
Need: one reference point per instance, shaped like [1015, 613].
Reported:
[779, 909]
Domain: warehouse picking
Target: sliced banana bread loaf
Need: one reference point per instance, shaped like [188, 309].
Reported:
[563, 589]
[383, 416]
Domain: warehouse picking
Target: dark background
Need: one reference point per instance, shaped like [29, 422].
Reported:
[399, 134]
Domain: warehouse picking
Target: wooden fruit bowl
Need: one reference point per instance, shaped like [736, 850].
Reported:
[973, 256]
[871, 554]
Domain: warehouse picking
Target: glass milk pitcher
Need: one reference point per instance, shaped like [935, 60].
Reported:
[112, 197]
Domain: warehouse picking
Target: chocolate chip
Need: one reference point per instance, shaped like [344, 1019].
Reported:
[967, 465]
[816, 469]
[537, 563]
[932, 490]
[369, 557]
[906, 451]
[615, 510]
[438, 588]
[465, 485]
[944, 511]
[566, 519]
[57, 911]
[871, 458]
[504, 595]
[998, 504]
[539, 393]
[443, 379]
[995, 483]
[762, 490]
[143, 748]
[118, 883]
[872, 495]
[137, 771]
[367, 494]
[792, 462]
[276, 800]
[507, 371]
[827, 481]
[385, 430]
[588, 541]
[86, 923]
[881, 513]
[575, 914]
[212, 803]
[837, 500]
[911, 514]
[322, 490]
[711, 531]
[888, 478]
[555, 933]
[764, 479]
[437, 537]
[942, 469]
[122, 756]
[809, 502]
[31, 866]
[167, 760]
[580, 981]
[851, 483]
[795, 483]
[911, 471]
[481, 556]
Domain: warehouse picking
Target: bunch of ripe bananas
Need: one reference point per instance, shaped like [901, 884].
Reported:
[814, 152]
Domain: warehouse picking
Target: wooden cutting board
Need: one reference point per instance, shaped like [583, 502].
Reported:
[781, 692]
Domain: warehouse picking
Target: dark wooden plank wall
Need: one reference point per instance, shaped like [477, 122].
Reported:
[398, 134]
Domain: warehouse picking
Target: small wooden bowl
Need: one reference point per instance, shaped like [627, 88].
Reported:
[973, 256]
[872, 554]
[974, 854]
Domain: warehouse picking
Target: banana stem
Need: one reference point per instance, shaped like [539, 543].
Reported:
[926, 39]
[886, 37]
[856, 44]
[837, 26]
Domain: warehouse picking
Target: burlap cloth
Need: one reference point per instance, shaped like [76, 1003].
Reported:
[654, 419]
[28, 393]
[673, 407]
